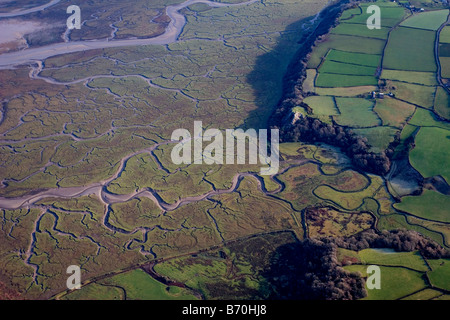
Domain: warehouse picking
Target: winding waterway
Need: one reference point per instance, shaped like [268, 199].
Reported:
[171, 34]
[18, 13]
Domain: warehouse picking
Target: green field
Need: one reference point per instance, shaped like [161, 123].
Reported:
[345, 43]
[426, 294]
[330, 80]
[430, 205]
[363, 59]
[425, 118]
[215, 231]
[379, 137]
[410, 49]
[322, 105]
[348, 92]
[309, 83]
[440, 276]
[138, 285]
[445, 64]
[391, 13]
[394, 112]
[431, 152]
[96, 291]
[408, 131]
[416, 94]
[347, 14]
[442, 103]
[132, 285]
[396, 282]
[356, 112]
[386, 257]
[361, 30]
[430, 20]
[425, 78]
[445, 35]
[346, 69]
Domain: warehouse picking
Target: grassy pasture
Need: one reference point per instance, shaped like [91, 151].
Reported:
[396, 282]
[407, 131]
[379, 137]
[410, 49]
[391, 13]
[445, 35]
[430, 20]
[427, 228]
[438, 231]
[425, 78]
[322, 105]
[309, 83]
[425, 118]
[360, 30]
[440, 276]
[138, 285]
[442, 103]
[345, 43]
[426, 294]
[346, 68]
[345, 92]
[413, 93]
[330, 80]
[232, 272]
[95, 291]
[394, 112]
[363, 59]
[430, 205]
[411, 260]
[445, 64]
[432, 152]
[347, 14]
[356, 112]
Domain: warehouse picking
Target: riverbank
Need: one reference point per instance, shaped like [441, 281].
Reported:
[293, 81]
[171, 35]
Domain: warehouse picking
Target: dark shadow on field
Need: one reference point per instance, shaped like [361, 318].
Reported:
[267, 78]
[277, 71]
[309, 270]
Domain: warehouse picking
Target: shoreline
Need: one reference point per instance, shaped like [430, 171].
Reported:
[171, 35]
[296, 74]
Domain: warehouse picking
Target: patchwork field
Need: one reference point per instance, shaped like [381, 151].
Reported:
[430, 20]
[432, 150]
[412, 109]
[431, 205]
[132, 285]
[410, 49]
[86, 175]
[404, 275]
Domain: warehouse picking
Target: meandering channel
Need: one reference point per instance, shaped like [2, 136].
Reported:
[171, 34]
[18, 13]
[107, 198]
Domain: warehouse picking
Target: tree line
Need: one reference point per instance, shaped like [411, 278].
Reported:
[310, 269]
[357, 148]
[311, 130]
